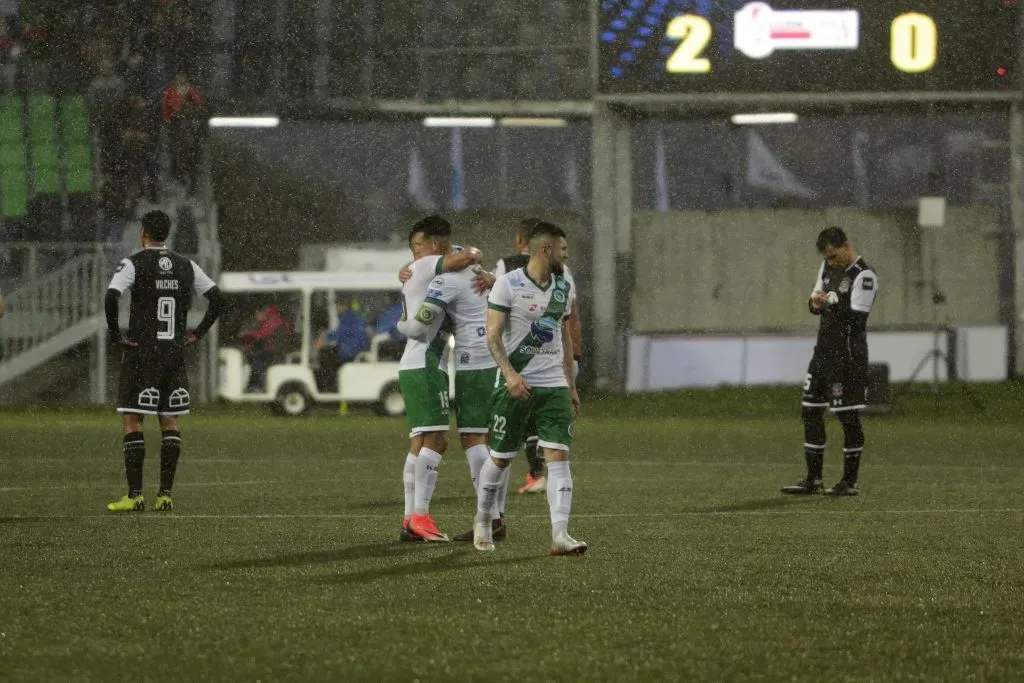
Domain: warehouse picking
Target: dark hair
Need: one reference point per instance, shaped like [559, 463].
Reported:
[432, 226]
[831, 237]
[156, 225]
[545, 229]
[525, 228]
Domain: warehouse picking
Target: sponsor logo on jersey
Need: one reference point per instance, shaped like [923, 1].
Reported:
[481, 331]
[868, 283]
[165, 264]
[464, 359]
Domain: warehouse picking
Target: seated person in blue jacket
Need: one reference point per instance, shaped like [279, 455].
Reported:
[342, 344]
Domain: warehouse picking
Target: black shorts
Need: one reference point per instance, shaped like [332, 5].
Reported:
[153, 383]
[835, 385]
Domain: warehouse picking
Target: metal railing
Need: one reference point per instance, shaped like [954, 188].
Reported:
[48, 305]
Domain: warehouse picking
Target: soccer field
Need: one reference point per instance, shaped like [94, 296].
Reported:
[282, 562]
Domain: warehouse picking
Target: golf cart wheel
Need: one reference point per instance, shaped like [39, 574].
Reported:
[293, 401]
[391, 403]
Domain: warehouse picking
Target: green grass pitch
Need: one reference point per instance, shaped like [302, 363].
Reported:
[281, 560]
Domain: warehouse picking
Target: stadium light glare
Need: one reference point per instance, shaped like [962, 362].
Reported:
[458, 122]
[533, 122]
[244, 122]
[767, 117]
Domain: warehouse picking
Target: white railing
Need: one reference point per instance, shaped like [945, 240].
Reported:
[46, 306]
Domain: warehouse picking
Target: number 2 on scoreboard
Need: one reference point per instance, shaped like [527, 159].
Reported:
[914, 43]
[693, 33]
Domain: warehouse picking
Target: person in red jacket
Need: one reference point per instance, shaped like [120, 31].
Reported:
[183, 111]
[265, 344]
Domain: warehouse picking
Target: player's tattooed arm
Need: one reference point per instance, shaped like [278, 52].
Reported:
[495, 344]
[419, 326]
[461, 260]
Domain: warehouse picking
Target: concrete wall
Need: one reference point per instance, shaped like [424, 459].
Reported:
[753, 270]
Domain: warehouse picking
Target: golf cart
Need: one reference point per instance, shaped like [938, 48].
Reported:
[291, 385]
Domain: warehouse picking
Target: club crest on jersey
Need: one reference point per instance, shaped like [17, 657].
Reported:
[165, 264]
[559, 296]
[464, 359]
[844, 286]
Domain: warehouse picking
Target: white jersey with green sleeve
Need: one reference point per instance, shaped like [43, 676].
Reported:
[500, 269]
[417, 354]
[467, 310]
[533, 331]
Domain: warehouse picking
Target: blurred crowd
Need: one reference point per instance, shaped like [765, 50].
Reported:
[135, 61]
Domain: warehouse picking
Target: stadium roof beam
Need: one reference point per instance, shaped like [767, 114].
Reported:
[418, 109]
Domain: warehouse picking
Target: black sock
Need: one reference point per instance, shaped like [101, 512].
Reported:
[814, 441]
[853, 444]
[534, 456]
[134, 454]
[815, 459]
[170, 450]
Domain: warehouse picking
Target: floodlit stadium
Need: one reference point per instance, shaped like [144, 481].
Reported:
[534, 340]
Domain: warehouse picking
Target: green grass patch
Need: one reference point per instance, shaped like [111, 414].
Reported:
[281, 561]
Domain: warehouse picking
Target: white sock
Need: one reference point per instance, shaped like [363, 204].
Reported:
[426, 479]
[487, 489]
[477, 456]
[559, 496]
[499, 502]
[409, 479]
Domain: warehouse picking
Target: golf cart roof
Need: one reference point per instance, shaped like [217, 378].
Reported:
[298, 281]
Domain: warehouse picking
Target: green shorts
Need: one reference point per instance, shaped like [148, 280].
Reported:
[473, 390]
[426, 400]
[548, 408]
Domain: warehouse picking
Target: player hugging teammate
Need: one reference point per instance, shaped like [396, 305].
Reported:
[514, 371]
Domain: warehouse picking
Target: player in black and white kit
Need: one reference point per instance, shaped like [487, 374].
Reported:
[843, 295]
[153, 378]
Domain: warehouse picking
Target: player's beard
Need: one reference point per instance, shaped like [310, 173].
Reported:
[558, 269]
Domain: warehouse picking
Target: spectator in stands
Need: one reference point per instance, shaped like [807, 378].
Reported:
[116, 202]
[183, 112]
[265, 344]
[139, 145]
[105, 98]
[341, 345]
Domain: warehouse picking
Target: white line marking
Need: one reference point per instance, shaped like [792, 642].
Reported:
[598, 515]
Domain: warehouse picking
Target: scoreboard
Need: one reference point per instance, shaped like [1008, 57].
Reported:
[807, 46]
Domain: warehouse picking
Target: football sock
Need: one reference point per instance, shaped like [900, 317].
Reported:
[409, 480]
[559, 492]
[487, 489]
[426, 479]
[534, 456]
[853, 444]
[476, 456]
[134, 454]
[814, 441]
[170, 451]
[499, 501]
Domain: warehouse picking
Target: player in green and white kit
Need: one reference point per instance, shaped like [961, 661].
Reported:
[423, 376]
[457, 298]
[527, 338]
